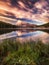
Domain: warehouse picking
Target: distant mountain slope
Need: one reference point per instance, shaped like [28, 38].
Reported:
[6, 25]
[45, 25]
[23, 25]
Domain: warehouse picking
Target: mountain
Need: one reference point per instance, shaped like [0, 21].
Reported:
[45, 25]
[6, 25]
[22, 25]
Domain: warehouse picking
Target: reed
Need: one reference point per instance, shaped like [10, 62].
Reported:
[28, 53]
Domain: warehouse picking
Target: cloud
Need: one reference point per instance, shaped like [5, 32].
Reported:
[37, 10]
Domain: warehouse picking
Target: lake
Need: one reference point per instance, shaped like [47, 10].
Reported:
[25, 35]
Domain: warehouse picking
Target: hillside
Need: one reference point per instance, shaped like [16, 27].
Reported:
[45, 25]
[6, 25]
[23, 25]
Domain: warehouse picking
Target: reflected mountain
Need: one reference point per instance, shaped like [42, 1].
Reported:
[25, 35]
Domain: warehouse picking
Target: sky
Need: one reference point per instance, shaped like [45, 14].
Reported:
[18, 11]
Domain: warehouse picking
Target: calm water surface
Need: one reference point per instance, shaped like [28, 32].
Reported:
[25, 35]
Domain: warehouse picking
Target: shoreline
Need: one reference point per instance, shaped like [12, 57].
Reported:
[24, 28]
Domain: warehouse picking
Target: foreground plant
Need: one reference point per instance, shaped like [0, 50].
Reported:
[29, 53]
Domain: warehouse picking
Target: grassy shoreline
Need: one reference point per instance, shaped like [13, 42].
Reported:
[29, 53]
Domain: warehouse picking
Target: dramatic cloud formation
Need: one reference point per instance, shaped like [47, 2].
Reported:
[17, 11]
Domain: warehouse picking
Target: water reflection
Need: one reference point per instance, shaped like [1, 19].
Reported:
[25, 35]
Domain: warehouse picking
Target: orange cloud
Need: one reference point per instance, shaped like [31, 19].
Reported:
[34, 10]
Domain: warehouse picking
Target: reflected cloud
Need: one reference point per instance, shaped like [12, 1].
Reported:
[34, 36]
[24, 36]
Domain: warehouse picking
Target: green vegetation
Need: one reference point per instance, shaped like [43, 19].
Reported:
[6, 25]
[29, 53]
[45, 25]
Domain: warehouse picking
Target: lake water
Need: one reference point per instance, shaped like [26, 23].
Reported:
[25, 35]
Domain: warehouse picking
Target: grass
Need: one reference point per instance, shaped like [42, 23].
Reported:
[29, 53]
